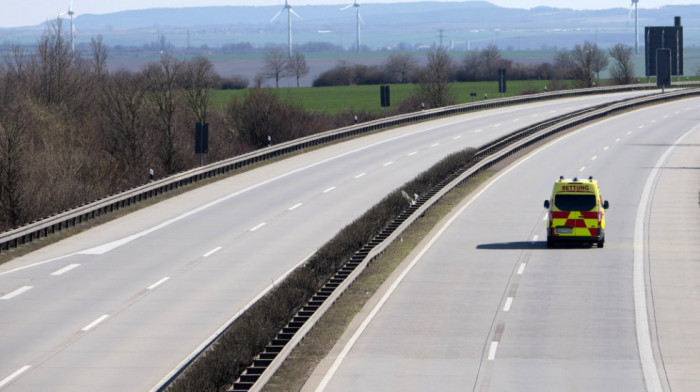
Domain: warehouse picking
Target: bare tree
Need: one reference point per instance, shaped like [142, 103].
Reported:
[297, 67]
[275, 64]
[15, 124]
[582, 57]
[434, 85]
[197, 79]
[99, 58]
[623, 69]
[490, 57]
[600, 60]
[124, 106]
[400, 66]
[160, 79]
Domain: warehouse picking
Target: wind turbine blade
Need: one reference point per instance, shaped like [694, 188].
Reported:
[346, 7]
[360, 17]
[294, 13]
[277, 14]
[70, 7]
[629, 15]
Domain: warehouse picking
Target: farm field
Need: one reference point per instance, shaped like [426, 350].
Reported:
[337, 99]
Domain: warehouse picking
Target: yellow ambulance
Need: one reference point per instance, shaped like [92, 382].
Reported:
[576, 212]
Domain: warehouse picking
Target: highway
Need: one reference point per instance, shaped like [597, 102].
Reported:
[121, 306]
[483, 305]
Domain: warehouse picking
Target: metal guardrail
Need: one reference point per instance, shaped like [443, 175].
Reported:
[72, 217]
[266, 364]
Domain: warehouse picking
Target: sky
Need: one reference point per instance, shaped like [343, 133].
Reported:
[14, 13]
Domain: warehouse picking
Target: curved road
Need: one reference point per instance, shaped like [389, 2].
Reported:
[120, 306]
[482, 303]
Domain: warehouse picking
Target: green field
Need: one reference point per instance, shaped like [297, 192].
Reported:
[334, 100]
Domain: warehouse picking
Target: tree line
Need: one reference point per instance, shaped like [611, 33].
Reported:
[582, 64]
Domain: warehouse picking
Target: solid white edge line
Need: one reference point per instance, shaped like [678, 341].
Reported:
[17, 292]
[646, 353]
[492, 350]
[294, 207]
[221, 329]
[351, 342]
[509, 302]
[158, 283]
[94, 323]
[258, 226]
[65, 269]
[211, 252]
[14, 375]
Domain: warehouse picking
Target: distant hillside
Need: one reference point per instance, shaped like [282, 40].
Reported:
[472, 24]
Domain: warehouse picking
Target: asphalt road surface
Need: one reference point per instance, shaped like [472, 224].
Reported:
[121, 306]
[484, 305]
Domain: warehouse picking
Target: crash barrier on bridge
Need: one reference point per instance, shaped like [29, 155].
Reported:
[75, 216]
[267, 362]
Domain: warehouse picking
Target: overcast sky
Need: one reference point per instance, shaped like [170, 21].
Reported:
[32, 12]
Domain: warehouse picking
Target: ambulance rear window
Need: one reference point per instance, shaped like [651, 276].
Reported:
[575, 202]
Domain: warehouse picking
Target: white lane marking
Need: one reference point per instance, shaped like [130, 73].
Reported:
[294, 207]
[211, 252]
[594, 157]
[535, 238]
[628, 133]
[412, 153]
[14, 375]
[509, 302]
[17, 292]
[388, 163]
[221, 329]
[160, 282]
[665, 116]
[497, 125]
[606, 148]
[521, 269]
[646, 354]
[516, 120]
[582, 168]
[546, 216]
[435, 145]
[360, 330]
[640, 127]
[492, 350]
[329, 189]
[478, 130]
[65, 269]
[94, 323]
[360, 175]
[653, 121]
[457, 137]
[617, 140]
[102, 249]
[258, 226]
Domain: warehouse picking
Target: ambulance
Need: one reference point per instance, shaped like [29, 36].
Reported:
[576, 212]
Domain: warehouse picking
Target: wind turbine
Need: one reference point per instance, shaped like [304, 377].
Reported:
[359, 19]
[635, 4]
[290, 11]
[70, 13]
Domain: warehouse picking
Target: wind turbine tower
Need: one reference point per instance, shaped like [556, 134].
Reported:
[70, 13]
[359, 19]
[635, 3]
[290, 11]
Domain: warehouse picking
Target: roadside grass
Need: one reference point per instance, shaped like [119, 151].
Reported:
[297, 368]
